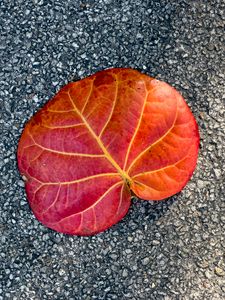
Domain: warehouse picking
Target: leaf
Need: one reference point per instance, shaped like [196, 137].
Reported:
[100, 139]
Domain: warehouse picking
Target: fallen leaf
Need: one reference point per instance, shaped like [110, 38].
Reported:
[101, 138]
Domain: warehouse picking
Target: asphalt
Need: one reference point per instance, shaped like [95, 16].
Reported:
[174, 249]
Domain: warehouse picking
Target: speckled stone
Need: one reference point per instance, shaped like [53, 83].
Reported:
[172, 249]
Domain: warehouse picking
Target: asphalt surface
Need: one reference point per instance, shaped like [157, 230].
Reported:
[174, 249]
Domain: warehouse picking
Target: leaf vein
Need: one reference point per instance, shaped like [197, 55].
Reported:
[164, 168]
[54, 202]
[63, 126]
[62, 152]
[101, 145]
[113, 108]
[88, 97]
[150, 146]
[137, 128]
[93, 205]
[74, 181]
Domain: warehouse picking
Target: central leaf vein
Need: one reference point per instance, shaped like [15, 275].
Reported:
[123, 174]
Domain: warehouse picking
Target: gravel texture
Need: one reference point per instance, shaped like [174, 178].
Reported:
[174, 249]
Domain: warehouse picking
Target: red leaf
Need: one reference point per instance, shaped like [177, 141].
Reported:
[99, 138]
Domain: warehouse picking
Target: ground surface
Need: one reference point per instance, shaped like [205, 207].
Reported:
[169, 250]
